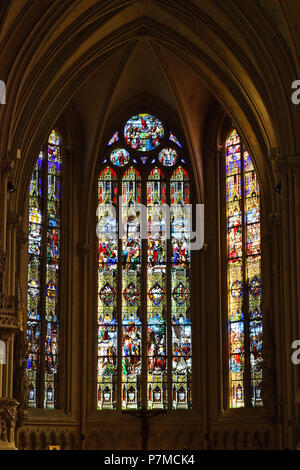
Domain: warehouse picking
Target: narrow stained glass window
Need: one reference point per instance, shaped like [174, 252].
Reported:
[157, 291]
[44, 275]
[107, 289]
[180, 288]
[131, 291]
[243, 276]
[144, 345]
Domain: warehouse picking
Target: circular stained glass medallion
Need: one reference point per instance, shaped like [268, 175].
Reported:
[143, 132]
[168, 157]
[119, 157]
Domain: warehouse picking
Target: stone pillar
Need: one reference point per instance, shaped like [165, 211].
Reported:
[5, 170]
[83, 250]
[9, 324]
[288, 173]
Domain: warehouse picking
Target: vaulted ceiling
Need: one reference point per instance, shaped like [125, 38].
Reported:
[92, 60]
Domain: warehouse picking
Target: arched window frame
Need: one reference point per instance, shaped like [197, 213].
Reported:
[169, 141]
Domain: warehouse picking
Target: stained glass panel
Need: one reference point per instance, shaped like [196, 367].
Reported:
[174, 139]
[168, 157]
[156, 302]
[107, 233]
[131, 290]
[52, 270]
[44, 264]
[180, 288]
[114, 138]
[143, 132]
[119, 157]
[253, 273]
[34, 280]
[145, 264]
[243, 268]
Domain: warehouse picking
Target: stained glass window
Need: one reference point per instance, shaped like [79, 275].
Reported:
[44, 241]
[145, 356]
[243, 275]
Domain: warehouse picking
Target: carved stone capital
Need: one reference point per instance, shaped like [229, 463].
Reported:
[218, 151]
[8, 416]
[292, 163]
[281, 166]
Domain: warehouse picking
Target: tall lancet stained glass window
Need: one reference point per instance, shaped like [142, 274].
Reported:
[44, 243]
[243, 275]
[144, 263]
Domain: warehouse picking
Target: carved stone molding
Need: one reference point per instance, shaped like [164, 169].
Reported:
[8, 312]
[2, 261]
[13, 220]
[22, 238]
[206, 248]
[8, 415]
[6, 168]
[283, 165]
[275, 218]
[83, 249]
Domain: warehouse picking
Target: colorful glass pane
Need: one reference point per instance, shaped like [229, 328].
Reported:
[107, 233]
[52, 272]
[114, 138]
[243, 267]
[146, 266]
[119, 157]
[253, 275]
[235, 269]
[174, 139]
[180, 288]
[44, 263]
[54, 138]
[131, 290]
[156, 282]
[34, 280]
[168, 157]
[143, 132]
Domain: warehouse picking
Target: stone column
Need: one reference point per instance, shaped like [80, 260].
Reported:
[5, 170]
[288, 172]
[83, 250]
[9, 323]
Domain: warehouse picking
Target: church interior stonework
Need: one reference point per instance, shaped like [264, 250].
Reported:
[150, 225]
